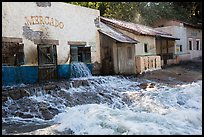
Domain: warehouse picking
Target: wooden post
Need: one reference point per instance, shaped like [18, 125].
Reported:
[167, 46]
[161, 48]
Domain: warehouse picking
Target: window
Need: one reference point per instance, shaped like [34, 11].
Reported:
[145, 48]
[129, 52]
[80, 53]
[197, 44]
[46, 54]
[12, 52]
[181, 48]
[190, 44]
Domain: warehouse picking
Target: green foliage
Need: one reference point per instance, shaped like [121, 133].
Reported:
[147, 12]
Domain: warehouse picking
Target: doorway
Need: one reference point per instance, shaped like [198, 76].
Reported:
[47, 62]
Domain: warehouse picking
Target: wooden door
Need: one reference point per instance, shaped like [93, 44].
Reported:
[47, 62]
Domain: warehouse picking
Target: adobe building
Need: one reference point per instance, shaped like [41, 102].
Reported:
[42, 38]
[155, 48]
[190, 44]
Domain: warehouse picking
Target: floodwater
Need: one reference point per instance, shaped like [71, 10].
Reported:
[110, 105]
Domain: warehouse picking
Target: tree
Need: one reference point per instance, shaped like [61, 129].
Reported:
[147, 12]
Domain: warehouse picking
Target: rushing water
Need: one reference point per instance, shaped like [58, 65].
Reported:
[108, 105]
[79, 69]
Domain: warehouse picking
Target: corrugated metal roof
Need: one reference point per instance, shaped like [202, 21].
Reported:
[136, 28]
[113, 33]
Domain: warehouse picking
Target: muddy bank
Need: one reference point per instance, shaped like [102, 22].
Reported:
[184, 72]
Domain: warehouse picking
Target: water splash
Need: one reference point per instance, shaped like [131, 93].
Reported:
[80, 69]
[114, 105]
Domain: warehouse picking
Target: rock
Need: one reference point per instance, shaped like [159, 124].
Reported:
[50, 87]
[3, 113]
[15, 94]
[85, 83]
[152, 85]
[78, 83]
[180, 102]
[147, 85]
[143, 85]
[96, 68]
[23, 115]
[5, 93]
[65, 132]
[178, 73]
[47, 115]
[54, 111]
[4, 99]
[24, 93]
[18, 93]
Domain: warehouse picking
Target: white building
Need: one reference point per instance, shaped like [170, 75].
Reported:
[51, 23]
[190, 44]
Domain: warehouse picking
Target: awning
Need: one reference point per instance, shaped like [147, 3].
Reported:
[114, 34]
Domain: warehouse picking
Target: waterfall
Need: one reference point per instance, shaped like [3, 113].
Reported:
[80, 69]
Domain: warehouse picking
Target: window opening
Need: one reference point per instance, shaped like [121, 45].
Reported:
[190, 44]
[80, 54]
[12, 53]
[198, 44]
[181, 48]
[145, 48]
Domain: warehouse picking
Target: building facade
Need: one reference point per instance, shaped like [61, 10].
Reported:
[65, 23]
[48, 35]
[190, 44]
[152, 42]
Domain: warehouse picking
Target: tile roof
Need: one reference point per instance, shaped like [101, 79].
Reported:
[136, 28]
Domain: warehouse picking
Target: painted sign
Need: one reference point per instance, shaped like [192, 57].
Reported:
[32, 20]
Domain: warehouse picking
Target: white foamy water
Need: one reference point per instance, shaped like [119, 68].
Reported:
[160, 111]
[80, 69]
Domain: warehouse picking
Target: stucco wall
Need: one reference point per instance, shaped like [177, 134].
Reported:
[139, 47]
[194, 34]
[77, 24]
[184, 33]
[178, 32]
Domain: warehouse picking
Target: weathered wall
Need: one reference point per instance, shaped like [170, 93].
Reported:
[124, 58]
[50, 20]
[178, 32]
[107, 56]
[184, 33]
[194, 34]
[115, 57]
[139, 47]
[164, 43]
[147, 63]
